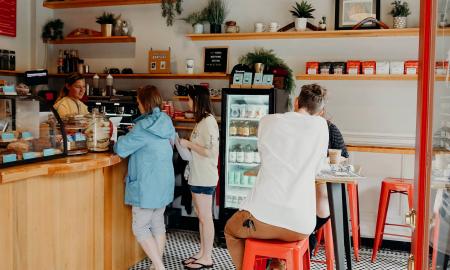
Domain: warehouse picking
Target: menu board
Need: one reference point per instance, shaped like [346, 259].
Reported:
[8, 17]
[216, 59]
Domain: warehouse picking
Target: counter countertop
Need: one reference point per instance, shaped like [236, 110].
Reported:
[59, 166]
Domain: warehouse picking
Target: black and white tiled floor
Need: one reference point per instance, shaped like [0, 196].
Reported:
[181, 245]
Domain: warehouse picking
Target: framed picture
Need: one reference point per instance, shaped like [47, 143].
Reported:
[159, 62]
[348, 13]
[215, 59]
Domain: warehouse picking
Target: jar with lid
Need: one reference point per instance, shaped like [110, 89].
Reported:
[233, 128]
[75, 128]
[98, 132]
[12, 60]
[4, 59]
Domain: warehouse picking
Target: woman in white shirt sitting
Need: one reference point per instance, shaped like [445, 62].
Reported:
[282, 204]
[203, 174]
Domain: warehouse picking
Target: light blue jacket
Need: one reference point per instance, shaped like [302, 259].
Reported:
[150, 181]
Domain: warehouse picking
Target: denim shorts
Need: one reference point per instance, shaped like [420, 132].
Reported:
[203, 190]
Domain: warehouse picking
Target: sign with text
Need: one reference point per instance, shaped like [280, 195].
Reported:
[216, 59]
[8, 17]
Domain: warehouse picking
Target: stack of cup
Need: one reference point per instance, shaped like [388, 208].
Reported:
[335, 156]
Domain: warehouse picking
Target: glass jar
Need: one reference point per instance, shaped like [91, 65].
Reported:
[240, 128]
[12, 60]
[98, 132]
[233, 128]
[254, 130]
[246, 129]
[75, 127]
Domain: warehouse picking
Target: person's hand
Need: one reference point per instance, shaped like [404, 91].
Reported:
[185, 143]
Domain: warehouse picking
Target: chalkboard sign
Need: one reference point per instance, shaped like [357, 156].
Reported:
[8, 17]
[216, 59]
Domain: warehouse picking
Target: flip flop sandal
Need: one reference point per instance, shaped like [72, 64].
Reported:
[189, 260]
[202, 266]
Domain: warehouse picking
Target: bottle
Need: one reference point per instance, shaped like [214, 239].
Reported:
[109, 85]
[246, 129]
[240, 156]
[233, 128]
[232, 155]
[60, 63]
[12, 60]
[74, 60]
[248, 154]
[66, 61]
[257, 158]
[95, 81]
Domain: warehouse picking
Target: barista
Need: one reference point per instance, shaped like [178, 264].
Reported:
[69, 101]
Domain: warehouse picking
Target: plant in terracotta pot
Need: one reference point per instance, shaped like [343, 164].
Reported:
[302, 12]
[400, 11]
[196, 19]
[216, 12]
[106, 20]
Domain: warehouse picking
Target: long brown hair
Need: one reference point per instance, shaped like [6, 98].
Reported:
[202, 102]
[312, 98]
[71, 79]
[149, 97]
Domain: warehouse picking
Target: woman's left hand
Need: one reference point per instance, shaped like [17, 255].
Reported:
[185, 143]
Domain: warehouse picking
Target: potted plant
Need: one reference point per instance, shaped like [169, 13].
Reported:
[400, 11]
[216, 12]
[106, 20]
[302, 12]
[169, 7]
[196, 19]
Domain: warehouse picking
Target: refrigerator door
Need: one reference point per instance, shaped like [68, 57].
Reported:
[241, 113]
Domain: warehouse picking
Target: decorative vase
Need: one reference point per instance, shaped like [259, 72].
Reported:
[399, 22]
[106, 30]
[198, 28]
[300, 24]
[216, 28]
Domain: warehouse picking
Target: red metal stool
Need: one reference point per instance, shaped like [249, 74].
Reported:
[389, 186]
[327, 233]
[296, 254]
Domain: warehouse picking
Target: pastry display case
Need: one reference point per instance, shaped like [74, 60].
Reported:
[30, 131]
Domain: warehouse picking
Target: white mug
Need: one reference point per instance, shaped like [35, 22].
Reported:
[260, 27]
[273, 27]
[190, 66]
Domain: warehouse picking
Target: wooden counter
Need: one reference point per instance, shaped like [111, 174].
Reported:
[381, 149]
[66, 214]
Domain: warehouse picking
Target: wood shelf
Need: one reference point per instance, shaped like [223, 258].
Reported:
[185, 98]
[88, 40]
[381, 149]
[360, 77]
[186, 120]
[184, 128]
[209, 76]
[10, 73]
[407, 32]
[95, 3]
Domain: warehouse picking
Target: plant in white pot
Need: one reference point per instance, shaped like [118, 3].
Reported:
[302, 12]
[106, 20]
[400, 11]
[196, 19]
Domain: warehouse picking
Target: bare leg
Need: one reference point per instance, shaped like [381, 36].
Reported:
[203, 205]
[151, 248]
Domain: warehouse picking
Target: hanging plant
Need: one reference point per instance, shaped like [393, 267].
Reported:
[271, 62]
[169, 8]
[53, 30]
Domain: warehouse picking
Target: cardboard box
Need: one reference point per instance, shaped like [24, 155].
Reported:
[353, 67]
[312, 68]
[368, 67]
[411, 67]
[397, 67]
[382, 68]
[441, 67]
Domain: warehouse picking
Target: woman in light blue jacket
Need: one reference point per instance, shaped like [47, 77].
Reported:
[150, 181]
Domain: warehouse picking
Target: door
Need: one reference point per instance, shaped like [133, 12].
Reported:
[430, 217]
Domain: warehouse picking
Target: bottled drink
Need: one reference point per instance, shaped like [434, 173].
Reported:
[12, 60]
[232, 155]
[95, 82]
[240, 156]
[74, 61]
[233, 129]
[248, 154]
[66, 63]
[246, 129]
[109, 85]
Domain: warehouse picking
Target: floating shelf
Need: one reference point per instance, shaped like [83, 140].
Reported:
[95, 3]
[185, 120]
[87, 40]
[347, 77]
[209, 76]
[184, 128]
[10, 73]
[407, 32]
[185, 98]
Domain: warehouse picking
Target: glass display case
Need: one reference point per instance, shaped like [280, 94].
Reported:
[30, 131]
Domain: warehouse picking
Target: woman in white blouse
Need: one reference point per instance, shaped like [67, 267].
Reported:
[282, 204]
[203, 174]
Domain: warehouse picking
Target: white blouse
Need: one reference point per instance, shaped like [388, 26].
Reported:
[293, 147]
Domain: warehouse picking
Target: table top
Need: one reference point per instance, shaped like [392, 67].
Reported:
[339, 174]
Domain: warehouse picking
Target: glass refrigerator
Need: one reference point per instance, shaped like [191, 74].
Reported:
[242, 110]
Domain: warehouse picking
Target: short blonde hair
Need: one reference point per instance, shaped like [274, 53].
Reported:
[149, 97]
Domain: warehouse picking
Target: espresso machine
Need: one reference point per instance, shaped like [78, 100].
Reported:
[123, 104]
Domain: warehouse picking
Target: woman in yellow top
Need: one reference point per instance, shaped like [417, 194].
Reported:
[69, 101]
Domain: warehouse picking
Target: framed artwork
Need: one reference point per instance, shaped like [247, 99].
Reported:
[348, 13]
[159, 62]
[8, 17]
